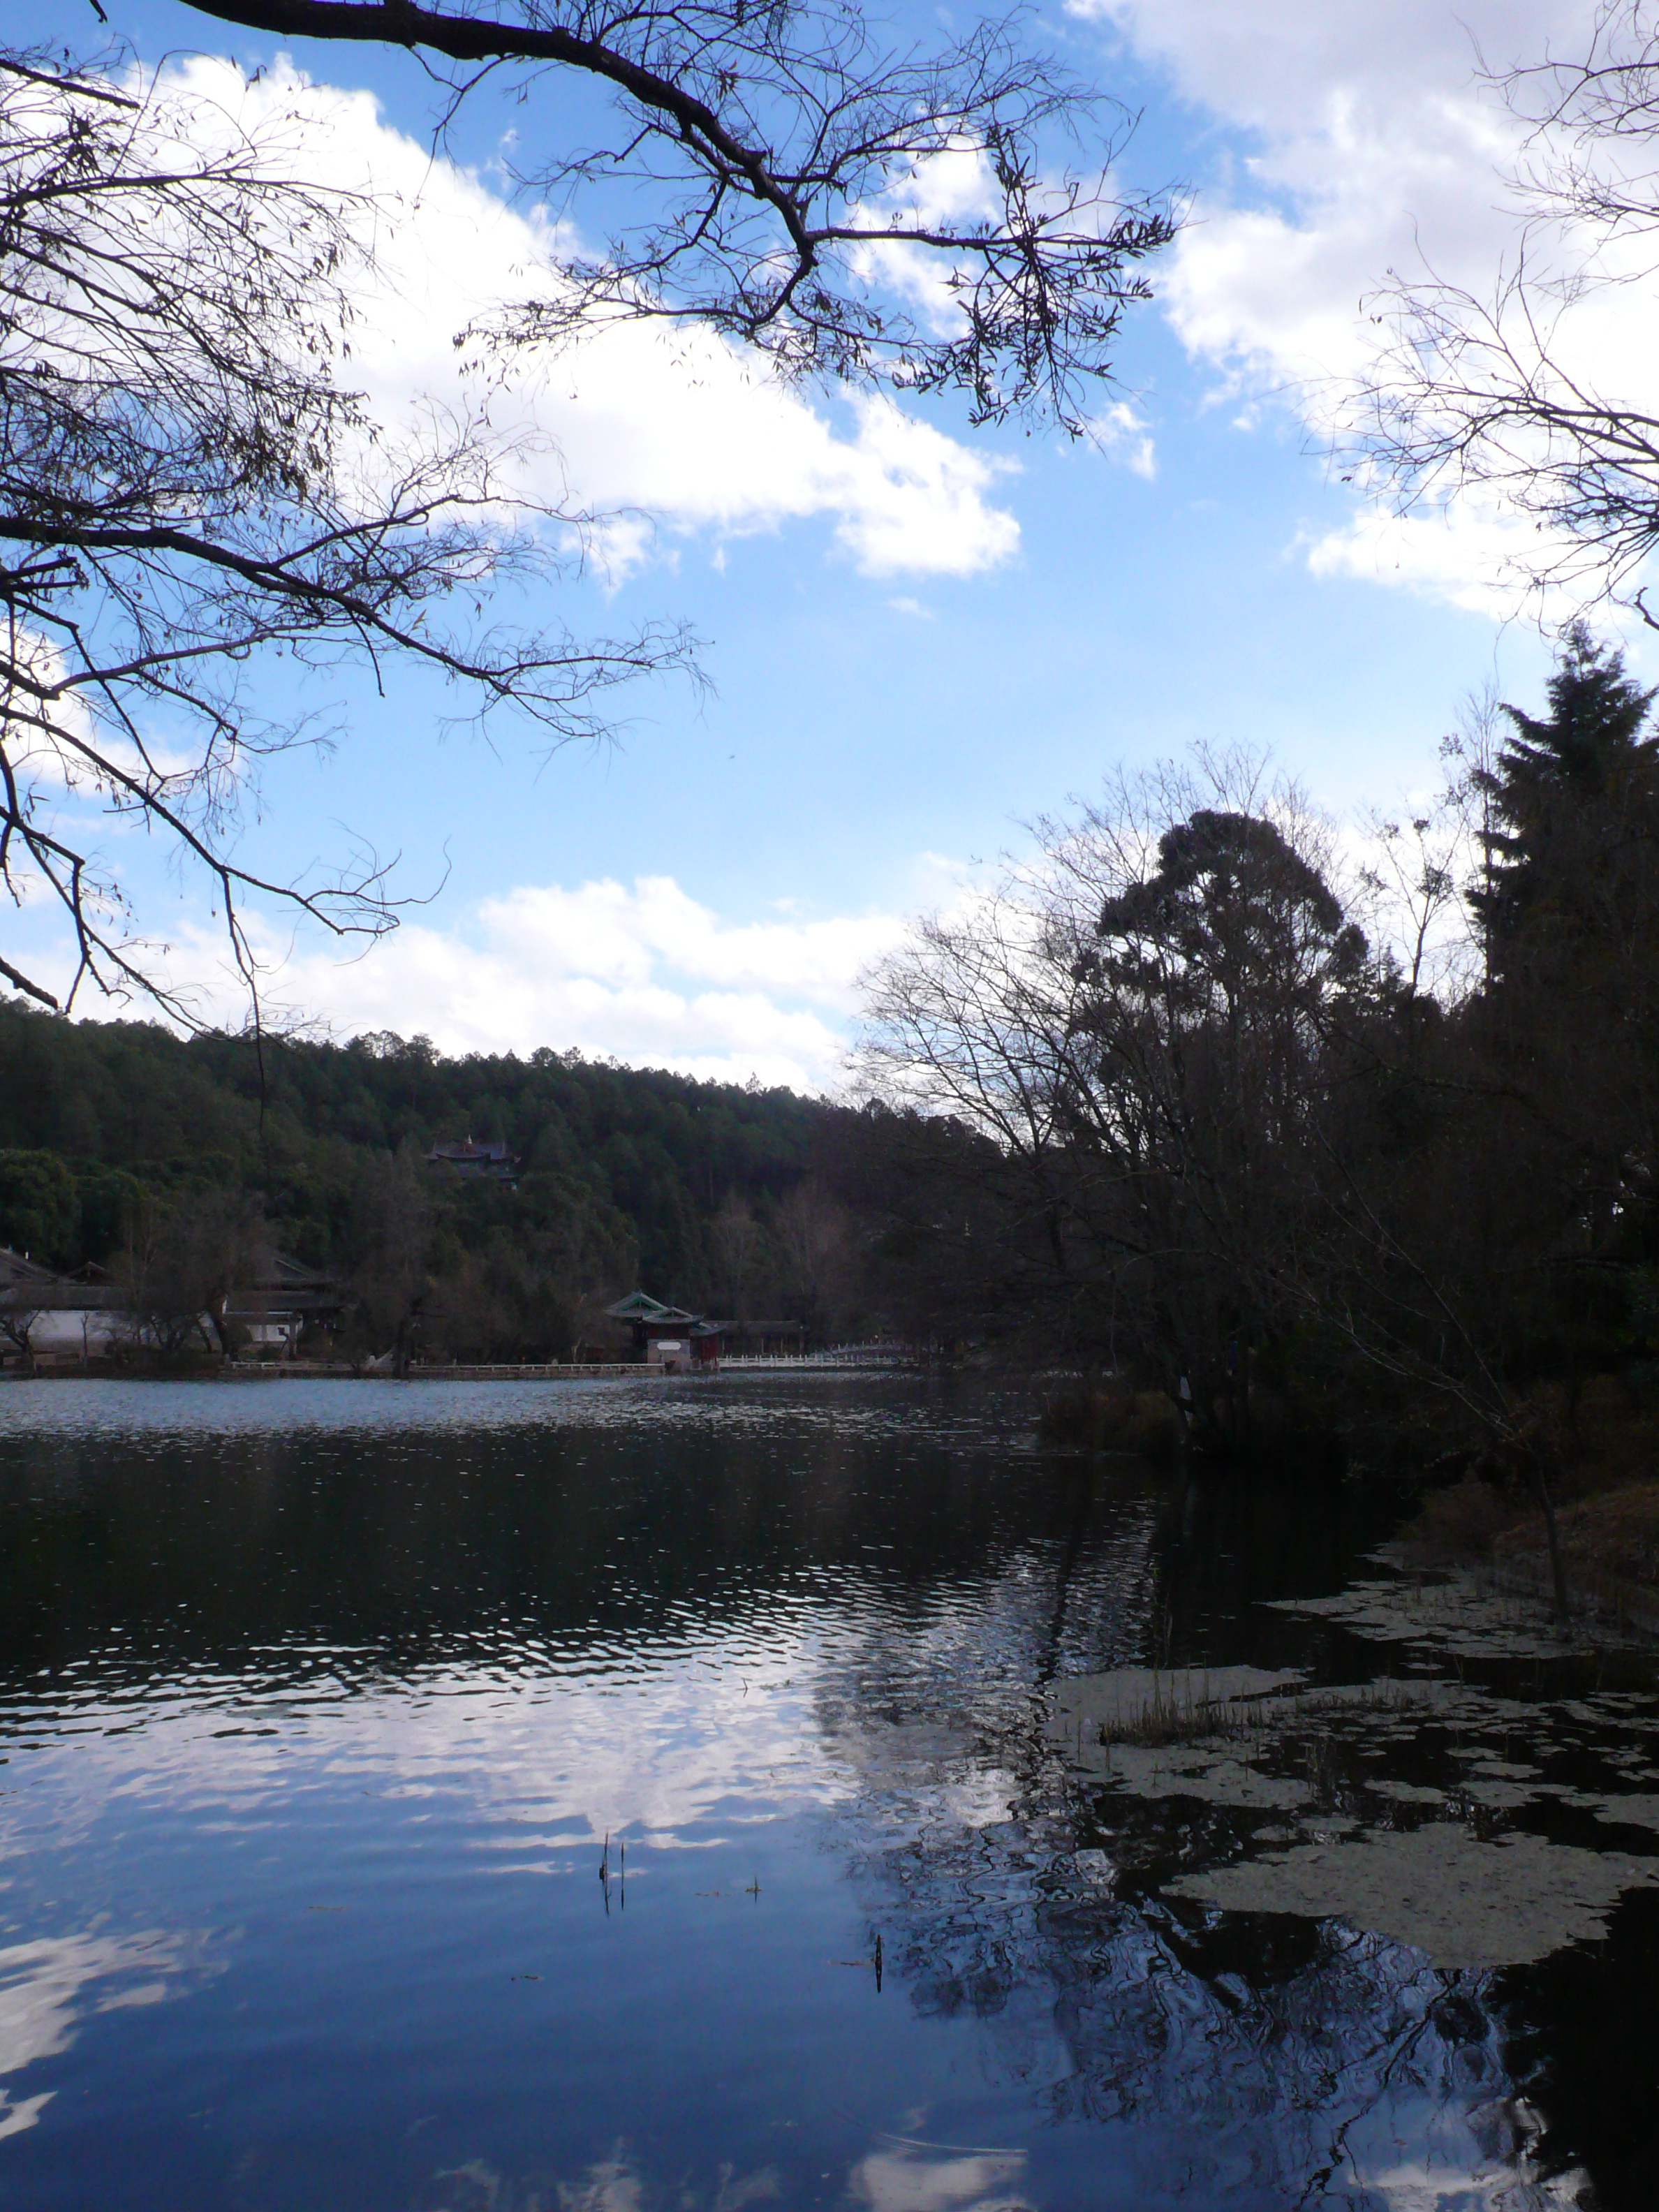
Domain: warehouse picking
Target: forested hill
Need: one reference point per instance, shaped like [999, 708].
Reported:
[628, 1175]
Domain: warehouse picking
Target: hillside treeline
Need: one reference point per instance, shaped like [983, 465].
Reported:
[182, 1164]
[1285, 1133]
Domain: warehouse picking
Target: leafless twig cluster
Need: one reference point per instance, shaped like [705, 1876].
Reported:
[190, 498]
[1509, 394]
[840, 204]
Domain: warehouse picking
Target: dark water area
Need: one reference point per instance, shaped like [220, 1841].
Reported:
[592, 1798]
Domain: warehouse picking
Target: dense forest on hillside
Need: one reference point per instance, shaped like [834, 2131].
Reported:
[115, 1136]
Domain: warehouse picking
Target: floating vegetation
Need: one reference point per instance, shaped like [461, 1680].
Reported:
[1457, 1614]
[1210, 1774]
[1462, 1901]
[1403, 1807]
[1157, 1705]
[1243, 1737]
[1634, 1810]
[1157, 1708]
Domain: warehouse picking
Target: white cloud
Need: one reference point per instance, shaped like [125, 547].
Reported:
[621, 936]
[1121, 432]
[673, 425]
[1370, 146]
[1462, 556]
[643, 972]
[1298, 70]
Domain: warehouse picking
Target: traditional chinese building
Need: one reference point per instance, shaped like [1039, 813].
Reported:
[470, 1158]
[670, 1338]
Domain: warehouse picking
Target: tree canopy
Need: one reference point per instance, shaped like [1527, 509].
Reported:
[122, 1142]
[1217, 1138]
[1572, 795]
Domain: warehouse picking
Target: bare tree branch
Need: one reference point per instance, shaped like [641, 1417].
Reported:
[1504, 395]
[186, 492]
[848, 209]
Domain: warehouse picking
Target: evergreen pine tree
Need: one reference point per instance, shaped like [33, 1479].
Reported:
[1573, 841]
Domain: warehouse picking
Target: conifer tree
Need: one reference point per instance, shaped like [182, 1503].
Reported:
[1572, 839]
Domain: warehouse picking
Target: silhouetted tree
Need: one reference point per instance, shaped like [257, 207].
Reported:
[390, 1254]
[1139, 1023]
[183, 1265]
[1574, 800]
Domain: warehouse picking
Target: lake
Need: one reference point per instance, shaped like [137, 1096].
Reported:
[602, 1797]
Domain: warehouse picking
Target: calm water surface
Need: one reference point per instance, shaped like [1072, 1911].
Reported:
[321, 1701]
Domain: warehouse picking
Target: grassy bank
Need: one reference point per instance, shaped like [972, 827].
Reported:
[1606, 1445]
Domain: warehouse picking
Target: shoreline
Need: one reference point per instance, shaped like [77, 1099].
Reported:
[341, 1371]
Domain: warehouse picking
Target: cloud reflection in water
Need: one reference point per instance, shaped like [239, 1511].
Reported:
[48, 1987]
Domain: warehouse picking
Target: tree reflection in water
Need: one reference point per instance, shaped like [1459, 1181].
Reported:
[1234, 2058]
[1211, 2057]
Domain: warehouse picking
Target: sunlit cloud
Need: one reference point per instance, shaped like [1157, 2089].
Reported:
[1371, 148]
[674, 432]
[641, 972]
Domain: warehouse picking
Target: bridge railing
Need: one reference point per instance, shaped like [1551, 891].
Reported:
[877, 1354]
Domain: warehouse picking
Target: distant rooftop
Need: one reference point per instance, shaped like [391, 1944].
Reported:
[491, 1156]
[637, 1307]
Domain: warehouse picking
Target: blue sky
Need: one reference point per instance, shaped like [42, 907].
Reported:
[919, 637]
